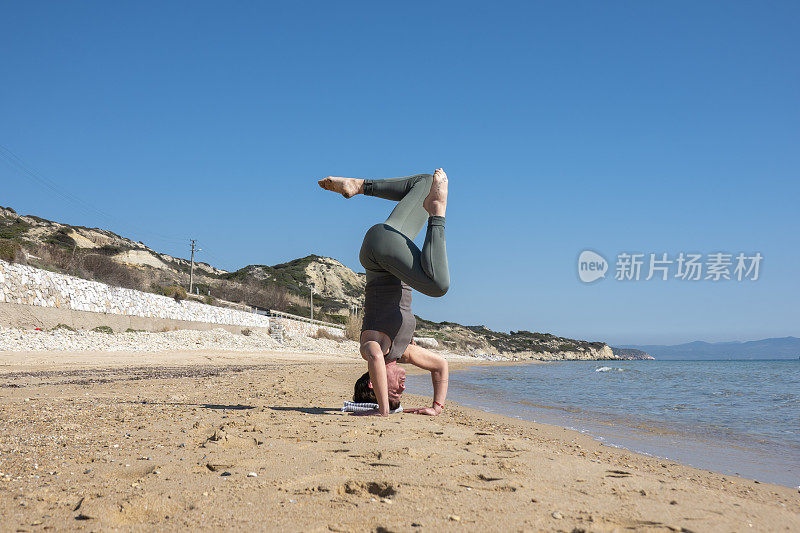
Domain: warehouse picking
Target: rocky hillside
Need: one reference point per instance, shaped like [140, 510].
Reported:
[284, 286]
[483, 342]
[33, 230]
[631, 354]
[333, 282]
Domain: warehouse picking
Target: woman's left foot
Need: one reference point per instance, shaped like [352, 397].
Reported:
[347, 187]
[436, 201]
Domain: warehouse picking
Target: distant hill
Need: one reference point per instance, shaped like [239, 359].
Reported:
[777, 348]
[330, 278]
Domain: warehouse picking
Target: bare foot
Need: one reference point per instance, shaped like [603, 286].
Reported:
[347, 187]
[436, 201]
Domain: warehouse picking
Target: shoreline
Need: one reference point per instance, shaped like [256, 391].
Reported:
[681, 441]
[317, 469]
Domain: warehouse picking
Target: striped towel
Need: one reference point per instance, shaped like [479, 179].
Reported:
[354, 407]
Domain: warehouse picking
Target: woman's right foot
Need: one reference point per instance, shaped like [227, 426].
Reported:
[347, 187]
[436, 201]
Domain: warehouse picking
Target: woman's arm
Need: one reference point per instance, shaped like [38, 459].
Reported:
[377, 375]
[372, 351]
[437, 366]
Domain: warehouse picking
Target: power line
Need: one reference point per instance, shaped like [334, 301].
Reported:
[90, 209]
[86, 207]
[219, 261]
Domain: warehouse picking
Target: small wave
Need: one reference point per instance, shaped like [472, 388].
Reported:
[608, 369]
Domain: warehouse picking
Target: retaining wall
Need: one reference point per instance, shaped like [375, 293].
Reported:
[22, 316]
[22, 284]
[31, 297]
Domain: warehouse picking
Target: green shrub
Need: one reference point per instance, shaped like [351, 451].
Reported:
[200, 288]
[131, 330]
[11, 229]
[103, 329]
[61, 238]
[179, 293]
[11, 251]
[110, 249]
[334, 318]
[102, 268]
[62, 326]
[294, 309]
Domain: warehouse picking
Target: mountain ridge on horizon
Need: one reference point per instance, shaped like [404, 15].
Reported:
[769, 348]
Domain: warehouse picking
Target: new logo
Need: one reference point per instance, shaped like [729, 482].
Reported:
[591, 266]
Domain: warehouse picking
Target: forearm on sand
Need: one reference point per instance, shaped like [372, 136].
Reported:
[436, 365]
[371, 351]
[439, 379]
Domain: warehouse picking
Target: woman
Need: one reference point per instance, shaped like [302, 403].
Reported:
[394, 266]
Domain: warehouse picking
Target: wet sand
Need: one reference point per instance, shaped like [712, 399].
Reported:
[213, 441]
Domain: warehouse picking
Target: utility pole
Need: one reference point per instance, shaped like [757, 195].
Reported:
[191, 269]
[312, 300]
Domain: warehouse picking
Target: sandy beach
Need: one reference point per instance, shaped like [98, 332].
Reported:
[216, 440]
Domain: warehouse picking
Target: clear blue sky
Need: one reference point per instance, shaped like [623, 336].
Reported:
[614, 126]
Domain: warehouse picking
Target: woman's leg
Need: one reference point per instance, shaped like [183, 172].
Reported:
[390, 247]
[408, 216]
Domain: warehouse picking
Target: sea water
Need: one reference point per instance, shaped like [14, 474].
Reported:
[731, 417]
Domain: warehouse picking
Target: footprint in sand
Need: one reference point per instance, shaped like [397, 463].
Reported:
[383, 489]
[490, 483]
[223, 439]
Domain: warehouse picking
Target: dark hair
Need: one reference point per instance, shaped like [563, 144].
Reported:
[362, 393]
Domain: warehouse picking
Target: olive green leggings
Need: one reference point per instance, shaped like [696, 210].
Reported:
[389, 247]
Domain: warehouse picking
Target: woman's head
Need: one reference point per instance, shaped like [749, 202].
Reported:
[363, 392]
[396, 381]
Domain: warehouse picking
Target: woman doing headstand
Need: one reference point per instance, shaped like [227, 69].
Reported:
[394, 265]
